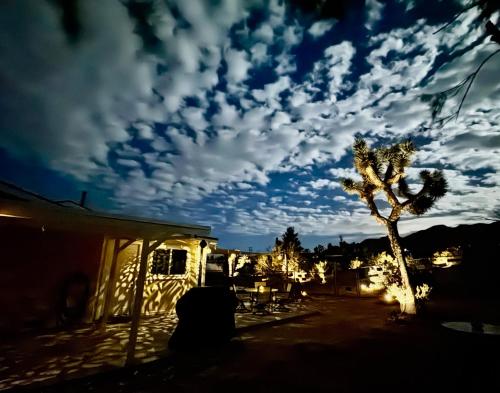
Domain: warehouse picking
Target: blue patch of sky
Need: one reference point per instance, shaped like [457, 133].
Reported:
[33, 175]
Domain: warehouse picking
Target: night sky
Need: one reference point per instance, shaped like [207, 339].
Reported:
[241, 114]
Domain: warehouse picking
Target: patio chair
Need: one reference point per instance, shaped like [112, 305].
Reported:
[263, 301]
[295, 291]
[282, 298]
[241, 297]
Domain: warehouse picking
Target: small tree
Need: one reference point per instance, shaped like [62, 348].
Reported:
[381, 169]
[267, 264]
[291, 248]
[319, 269]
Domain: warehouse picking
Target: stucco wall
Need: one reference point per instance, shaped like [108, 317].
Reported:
[33, 267]
[161, 292]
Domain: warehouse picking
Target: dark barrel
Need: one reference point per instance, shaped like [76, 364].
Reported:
[206, 318]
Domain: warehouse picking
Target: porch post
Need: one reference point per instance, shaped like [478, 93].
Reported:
[111, 285]
[139, 292]
[112, 280]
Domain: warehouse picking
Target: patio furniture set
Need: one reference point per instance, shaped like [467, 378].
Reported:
[263, 299]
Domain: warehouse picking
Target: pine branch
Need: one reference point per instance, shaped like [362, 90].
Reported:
[457, 15]
[474, 74]
[493, 31]
[437, 101]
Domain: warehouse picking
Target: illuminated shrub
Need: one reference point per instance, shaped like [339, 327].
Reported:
[447, 258]
[355, 264]
[384, 273]
[319, 269]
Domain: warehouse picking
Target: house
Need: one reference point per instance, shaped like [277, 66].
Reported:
[61, 262]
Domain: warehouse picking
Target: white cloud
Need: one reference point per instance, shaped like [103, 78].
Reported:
[373, 13]
[320, 28]
[259, 53]
[97, 96]
[324, 183]
[264, 33]
[237, 65]
[292, 35]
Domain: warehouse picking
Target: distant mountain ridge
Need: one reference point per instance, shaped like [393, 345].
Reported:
[424, 243]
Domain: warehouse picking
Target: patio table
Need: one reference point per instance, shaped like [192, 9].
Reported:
[255, 291]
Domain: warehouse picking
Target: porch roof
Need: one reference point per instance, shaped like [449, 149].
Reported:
[49, 215]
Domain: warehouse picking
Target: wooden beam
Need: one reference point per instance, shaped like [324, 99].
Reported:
[126, 244]
[139, 293]
[111, 285]
[156, 244]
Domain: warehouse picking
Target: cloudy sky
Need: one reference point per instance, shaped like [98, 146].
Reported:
[240, 114]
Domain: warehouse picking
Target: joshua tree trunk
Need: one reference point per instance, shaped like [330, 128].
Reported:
[408, 303]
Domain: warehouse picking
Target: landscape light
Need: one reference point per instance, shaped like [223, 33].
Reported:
[388, 298]
[8, 215]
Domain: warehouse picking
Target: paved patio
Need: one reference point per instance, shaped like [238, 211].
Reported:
[58, 356]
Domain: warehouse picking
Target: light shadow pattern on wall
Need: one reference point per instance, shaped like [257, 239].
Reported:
[161, 292]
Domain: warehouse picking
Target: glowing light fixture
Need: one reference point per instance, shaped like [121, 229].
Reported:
[8, 215]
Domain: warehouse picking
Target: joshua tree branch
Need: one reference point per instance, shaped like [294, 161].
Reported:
[374, 177]
[389, 173]
[395, 178]
[395, 213]
[391, 197]
[374, 209]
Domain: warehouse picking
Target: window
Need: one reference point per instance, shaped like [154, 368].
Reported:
[160, 262]
[169, 261]
[178, 265]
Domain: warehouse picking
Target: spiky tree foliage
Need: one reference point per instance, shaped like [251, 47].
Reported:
[382, 170]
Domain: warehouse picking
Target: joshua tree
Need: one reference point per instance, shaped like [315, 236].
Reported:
[382, 169]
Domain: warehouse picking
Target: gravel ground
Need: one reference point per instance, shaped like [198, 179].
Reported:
[350, 347]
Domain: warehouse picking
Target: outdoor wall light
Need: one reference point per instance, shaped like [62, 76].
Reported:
[8, 215]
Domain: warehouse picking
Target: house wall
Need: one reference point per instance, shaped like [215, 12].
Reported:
[161, 292]
[34, 265]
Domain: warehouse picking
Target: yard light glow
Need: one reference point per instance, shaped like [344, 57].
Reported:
[388, 298]
[371, 287]
[8, 215]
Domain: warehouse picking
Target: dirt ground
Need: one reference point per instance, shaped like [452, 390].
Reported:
[350, 347]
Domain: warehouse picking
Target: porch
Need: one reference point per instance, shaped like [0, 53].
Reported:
[58, 356]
